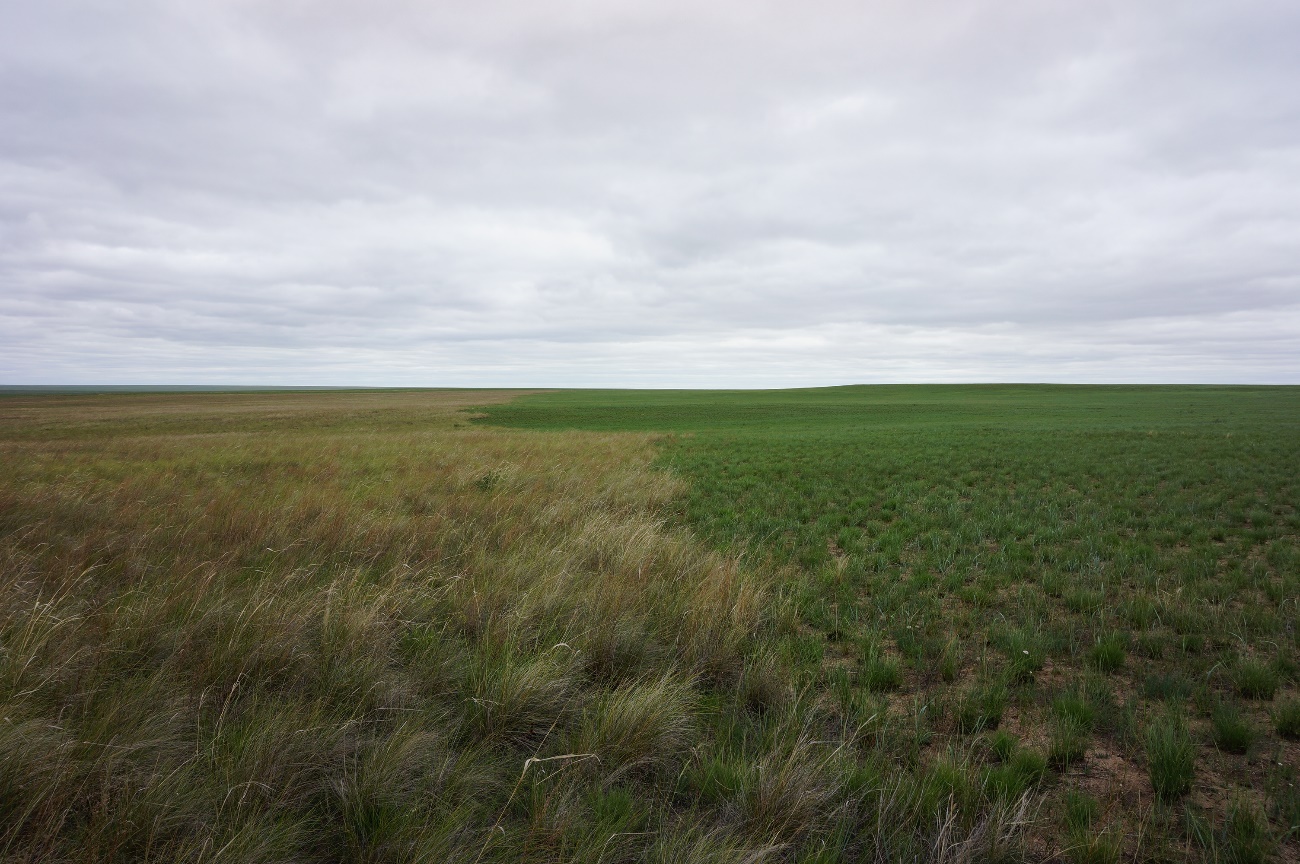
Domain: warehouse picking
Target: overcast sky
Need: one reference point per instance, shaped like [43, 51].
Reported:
[649, 192]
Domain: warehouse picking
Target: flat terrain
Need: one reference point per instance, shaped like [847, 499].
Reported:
[877, 623]
[1068, 572]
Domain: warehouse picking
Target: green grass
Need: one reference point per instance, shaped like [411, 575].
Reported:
[1171, 686]
[1231, 731]
[1012, 779]
[1286, 719]
[1087, 844]
[1244, 836]
[879, 672]
[1071, 725]
[980, 707]
[1171, 756]
[1145, 536]
[1068, 739]
[1108, 654]
[1255, 680]
[1002, 745]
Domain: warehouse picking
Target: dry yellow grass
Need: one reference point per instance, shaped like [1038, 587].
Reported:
[290, 626]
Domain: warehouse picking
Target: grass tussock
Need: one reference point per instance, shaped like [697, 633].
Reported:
[1286, 719]
[1171, 756]
[643, 726]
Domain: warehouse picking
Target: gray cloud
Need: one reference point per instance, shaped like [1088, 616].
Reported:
[570, 193]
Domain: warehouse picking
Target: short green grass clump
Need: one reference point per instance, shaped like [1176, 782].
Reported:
[879, 671]
[1002, 745]
[1232, 732]
[981, 707]
[1246, 835]
[1071, 725]
[1012, 779]
[1108, 654]
[1254, 679]
[1089, 842]
[1171, 756]
[1243, 837]
[1286, 718]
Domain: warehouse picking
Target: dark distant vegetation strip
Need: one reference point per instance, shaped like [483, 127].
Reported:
[157, 388]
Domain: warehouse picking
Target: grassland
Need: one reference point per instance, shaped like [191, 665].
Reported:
[932, 624]
[345, 627]
[1087, 592]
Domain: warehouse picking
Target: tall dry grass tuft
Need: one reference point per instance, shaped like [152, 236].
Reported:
[641, 727]
[722, 617]
[795, 790]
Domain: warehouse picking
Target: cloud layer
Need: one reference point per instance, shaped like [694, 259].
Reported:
[649, 193]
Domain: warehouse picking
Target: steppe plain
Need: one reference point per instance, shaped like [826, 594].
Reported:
[932, 623]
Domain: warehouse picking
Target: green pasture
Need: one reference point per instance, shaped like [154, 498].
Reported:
[1109, 576]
